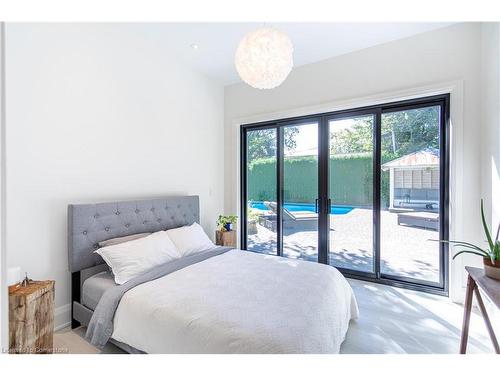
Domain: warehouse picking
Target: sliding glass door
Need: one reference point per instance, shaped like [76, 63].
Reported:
[364, 190]
[351, 192]
[300, 200]
[261, 190]
[410, 194]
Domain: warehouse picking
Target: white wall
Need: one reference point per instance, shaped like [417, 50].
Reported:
[490, 111]
[99, 113]
[4, 325]
[446, 55]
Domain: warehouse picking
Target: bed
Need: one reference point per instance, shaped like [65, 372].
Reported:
[221, 301]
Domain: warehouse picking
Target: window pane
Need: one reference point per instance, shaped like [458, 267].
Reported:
[351, 193]
[410, 194]
[261, 190]
[300, 189]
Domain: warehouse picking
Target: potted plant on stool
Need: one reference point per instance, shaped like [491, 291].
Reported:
[225, 235]
[491, 255]
[225, 222]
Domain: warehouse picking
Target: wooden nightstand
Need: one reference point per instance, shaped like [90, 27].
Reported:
[227, 238]
[491, 288]
[31, 317]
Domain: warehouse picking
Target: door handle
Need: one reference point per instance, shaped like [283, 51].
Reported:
[328, 206]
[316, 205]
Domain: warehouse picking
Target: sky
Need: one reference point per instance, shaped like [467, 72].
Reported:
[307, 137]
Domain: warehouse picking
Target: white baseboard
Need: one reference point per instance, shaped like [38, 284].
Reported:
[62, 317]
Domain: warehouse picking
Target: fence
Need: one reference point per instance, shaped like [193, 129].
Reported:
[351, 180]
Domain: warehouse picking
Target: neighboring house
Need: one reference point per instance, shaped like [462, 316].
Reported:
[414, 180]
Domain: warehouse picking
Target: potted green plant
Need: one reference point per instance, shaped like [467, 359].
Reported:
[491, 255]
[225, 222]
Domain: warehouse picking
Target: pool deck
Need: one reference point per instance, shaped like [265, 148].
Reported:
[405, 250]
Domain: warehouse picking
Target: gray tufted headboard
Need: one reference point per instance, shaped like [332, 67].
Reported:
[88, 224]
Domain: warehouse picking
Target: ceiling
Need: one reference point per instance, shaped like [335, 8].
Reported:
[217, 42]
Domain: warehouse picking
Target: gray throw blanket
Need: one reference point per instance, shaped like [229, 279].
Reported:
[100, 327]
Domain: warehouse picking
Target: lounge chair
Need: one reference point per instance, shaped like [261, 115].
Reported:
[293, 221]
[426, 220]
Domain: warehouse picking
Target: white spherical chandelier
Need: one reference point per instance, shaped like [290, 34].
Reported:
[264, 58]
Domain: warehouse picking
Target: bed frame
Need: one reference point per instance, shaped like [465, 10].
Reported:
[89, 224]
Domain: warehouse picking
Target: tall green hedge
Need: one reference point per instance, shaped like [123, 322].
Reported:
[351, 180]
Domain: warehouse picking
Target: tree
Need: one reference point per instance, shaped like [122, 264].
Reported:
[405, 132]
[262, 143]
[402, 133]
[356, 139]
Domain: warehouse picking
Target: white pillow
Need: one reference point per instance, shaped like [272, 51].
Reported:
[132, 258]
[118, 240]
[190, 239]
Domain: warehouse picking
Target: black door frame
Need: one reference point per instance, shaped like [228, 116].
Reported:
[322, 119]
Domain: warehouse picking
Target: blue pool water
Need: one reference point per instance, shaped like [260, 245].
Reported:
[335, 210]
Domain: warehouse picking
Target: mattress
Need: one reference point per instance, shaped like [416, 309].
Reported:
[94, 287]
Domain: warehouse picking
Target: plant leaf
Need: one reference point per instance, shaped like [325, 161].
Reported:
[480, 251]
[486, 230]
[468, 252]
[464, 244]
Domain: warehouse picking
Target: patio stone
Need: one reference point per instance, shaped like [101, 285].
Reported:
[405, 250]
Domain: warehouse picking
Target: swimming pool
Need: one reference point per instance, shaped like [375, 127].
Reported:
[290, 206]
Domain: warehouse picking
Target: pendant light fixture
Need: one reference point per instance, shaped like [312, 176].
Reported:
[264, 58]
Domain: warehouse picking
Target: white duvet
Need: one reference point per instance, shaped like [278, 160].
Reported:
[239, 302]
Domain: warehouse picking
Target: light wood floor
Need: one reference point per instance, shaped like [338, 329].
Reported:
[392, 320]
